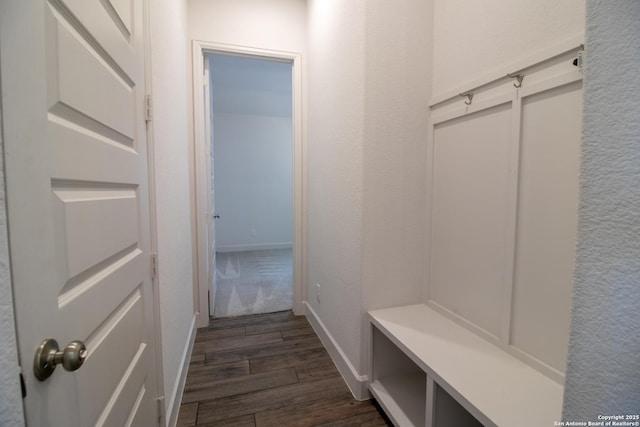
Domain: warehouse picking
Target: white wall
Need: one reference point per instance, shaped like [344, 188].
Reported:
[335, 137]
[253, 152]
[273, 25]
[398, 65]
[253, 181]
[366, 217]
[474, 38]
[277, 25]
[369, 86]
[11, 413]
[171, 149]
[603, 373]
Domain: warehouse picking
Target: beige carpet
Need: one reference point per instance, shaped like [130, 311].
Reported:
[253, 282]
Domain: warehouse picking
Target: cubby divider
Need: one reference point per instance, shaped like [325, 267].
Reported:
[427, 370]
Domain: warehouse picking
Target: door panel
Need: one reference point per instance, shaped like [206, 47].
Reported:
[115, 344]
[120, 12]
[78, 77]
[94, 225]
[101, 26]
[110, 286]
[78, 205]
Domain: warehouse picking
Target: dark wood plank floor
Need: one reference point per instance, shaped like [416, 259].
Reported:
[268, 370]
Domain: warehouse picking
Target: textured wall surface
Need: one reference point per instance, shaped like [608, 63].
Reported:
[274, 24]
[603, 372]
[10, 397]
[334, 139]
[472, 38]
[369, 81]
[170, 129]
[398, 60]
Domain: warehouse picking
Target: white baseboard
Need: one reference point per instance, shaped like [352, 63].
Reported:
[357, 383]
[173, 407]
[254, 247]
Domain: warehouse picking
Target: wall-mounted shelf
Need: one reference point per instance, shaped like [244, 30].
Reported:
[427, 370]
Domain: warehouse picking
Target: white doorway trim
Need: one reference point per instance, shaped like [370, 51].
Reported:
[201, 48]
[172, 412]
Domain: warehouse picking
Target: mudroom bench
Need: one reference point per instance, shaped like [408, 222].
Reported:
[427, 370]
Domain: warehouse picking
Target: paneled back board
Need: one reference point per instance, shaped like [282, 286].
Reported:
[470, 192]
[503, 208]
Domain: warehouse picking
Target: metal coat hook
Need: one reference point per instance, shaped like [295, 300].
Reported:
[518, 77]
[469, 96]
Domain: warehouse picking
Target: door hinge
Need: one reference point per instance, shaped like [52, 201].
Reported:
[148, 108]
[161, 410]
[154, 265]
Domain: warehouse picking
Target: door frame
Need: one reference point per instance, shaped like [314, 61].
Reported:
[11, 404]
[153, 222]
[199, 184]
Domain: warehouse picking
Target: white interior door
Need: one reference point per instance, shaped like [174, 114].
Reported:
[211, 213]
[76, 165]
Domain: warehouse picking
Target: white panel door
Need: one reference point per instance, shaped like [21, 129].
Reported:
[211, 213]
[76, 164]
